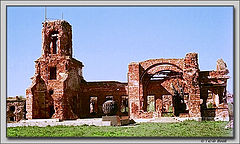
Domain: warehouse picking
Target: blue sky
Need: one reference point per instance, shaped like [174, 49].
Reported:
[107, 39]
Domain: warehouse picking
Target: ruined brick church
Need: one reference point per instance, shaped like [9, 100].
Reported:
[155, 87]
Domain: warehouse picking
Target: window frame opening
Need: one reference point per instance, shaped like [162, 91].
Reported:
[51, 92]
[124, 104]
[12, 118]
[53, 73]
[93, 105]
[151, 108]
[12, 108]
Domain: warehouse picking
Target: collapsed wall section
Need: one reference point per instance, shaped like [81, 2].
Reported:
[16, 107]
[214, 94]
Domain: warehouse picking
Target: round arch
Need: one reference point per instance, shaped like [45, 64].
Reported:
[172, 67]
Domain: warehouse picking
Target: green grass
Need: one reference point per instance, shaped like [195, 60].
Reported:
[167, 115]
[184, 129]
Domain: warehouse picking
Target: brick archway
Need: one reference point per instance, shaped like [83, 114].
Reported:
[160, 86]
[139, 72]
[160, 67]
[171, 74]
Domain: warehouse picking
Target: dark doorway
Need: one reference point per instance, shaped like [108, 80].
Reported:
[124, 104]
[51, 107]
[12, 118]
[52, 111]
[93, 105]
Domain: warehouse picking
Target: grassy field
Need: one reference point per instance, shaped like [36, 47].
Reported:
[184, 129]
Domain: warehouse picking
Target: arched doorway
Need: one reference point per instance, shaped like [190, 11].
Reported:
[43, 104]
[39, 99]
[163, 87]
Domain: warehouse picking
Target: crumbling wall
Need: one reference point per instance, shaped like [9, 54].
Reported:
[59, 90]
[15, 109]
[102, 90]
[213, 92]
[222, 113]
[140, 84]
[221, 65]
[71, 93]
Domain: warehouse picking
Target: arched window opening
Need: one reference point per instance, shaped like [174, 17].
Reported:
[54, 42]
[51, 107]
[124, 104]
[151, 103]
[167, 105]
[93, 105]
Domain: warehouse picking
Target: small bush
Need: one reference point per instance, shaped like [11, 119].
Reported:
[210, 105]
[167, 115]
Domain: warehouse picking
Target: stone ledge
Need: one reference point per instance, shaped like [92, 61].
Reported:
[188, 118]
[56, 122]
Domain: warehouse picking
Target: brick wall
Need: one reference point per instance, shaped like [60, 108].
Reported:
[58, 89]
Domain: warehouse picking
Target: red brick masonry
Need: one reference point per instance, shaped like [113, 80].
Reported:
[59, 90]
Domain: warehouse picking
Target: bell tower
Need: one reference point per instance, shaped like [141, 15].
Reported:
[57, 38]
[58, 76]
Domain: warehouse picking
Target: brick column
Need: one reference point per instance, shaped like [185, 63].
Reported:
[29, 104]
[133, 89]
[191, 75]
